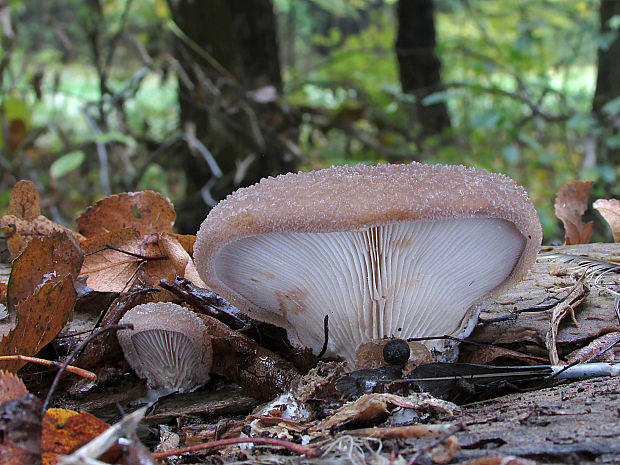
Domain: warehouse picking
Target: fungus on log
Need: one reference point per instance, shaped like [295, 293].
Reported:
[404, 251]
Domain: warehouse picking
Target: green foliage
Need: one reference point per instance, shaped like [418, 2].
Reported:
[98, 93]
[519, 82]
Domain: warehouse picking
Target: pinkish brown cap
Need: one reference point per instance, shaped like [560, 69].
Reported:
[405, 250]
[169, 346]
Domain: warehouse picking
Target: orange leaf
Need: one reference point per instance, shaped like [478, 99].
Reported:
[24, 201]
[147, 212]
[65, 431]
[571, 202]
[179, 258]
[23, 220]
[40, 318]
[111, 270]
[11, 387]
[48, 259]
[610, 210]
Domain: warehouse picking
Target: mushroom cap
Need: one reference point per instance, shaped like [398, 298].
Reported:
[169, 346]
[406, 250]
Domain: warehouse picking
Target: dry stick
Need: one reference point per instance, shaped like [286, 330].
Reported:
[41, 361]
[298, 448]
[74, 353]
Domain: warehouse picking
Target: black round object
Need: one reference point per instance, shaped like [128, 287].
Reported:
[396, 352]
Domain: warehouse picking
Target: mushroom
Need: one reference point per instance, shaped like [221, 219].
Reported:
[169, 346]
[404, 251]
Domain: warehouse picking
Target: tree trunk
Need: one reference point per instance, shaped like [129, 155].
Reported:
[226, 49]
[608, 80]
[419, 67]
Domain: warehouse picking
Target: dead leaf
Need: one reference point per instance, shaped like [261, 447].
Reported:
[180, 258]
[24, 202]
[610, 211]
[486, 354]
[113, 259]
[40, 318]
[45, 260]
[374, 408]
[565, 307]
[147, 212]
[571, 202]
[65, 431]
[11, 387]
[445, 451]
[20, 431]
[23, 220]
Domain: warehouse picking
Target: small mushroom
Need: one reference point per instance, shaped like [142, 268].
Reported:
[169, 346]
[402, 251]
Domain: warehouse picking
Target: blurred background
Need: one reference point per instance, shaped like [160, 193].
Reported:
[195, 98]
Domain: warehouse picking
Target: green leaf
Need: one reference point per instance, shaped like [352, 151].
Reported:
[67, 163]
[435, 97]
[612, 107]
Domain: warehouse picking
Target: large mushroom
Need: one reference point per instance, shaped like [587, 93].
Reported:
[405, 251]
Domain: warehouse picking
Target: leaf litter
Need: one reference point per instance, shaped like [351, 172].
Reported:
[130, 254]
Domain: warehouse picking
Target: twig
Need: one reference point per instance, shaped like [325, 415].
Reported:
[298, 448]
[116, 249]
[41, 361]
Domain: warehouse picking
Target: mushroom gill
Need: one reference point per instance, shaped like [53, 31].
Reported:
[169, 346]
[384, 251]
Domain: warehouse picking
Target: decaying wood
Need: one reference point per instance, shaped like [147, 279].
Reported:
[570, 423]
[526, 330]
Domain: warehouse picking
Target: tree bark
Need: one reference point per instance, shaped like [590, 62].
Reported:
[419, 67]
[226, 49]
[607, 80]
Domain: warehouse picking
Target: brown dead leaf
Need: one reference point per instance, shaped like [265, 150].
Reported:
[11, 387]
[147, 212]
[180, 258]
[565, 307]
[110, 270]
[40, 318]
[486, 354]
[445, 451]
[610, 211]
[45, 260]
[23, 220]
[20, 431]
[571, 202]
[373, 408]
[24, 202]
[65, 431]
